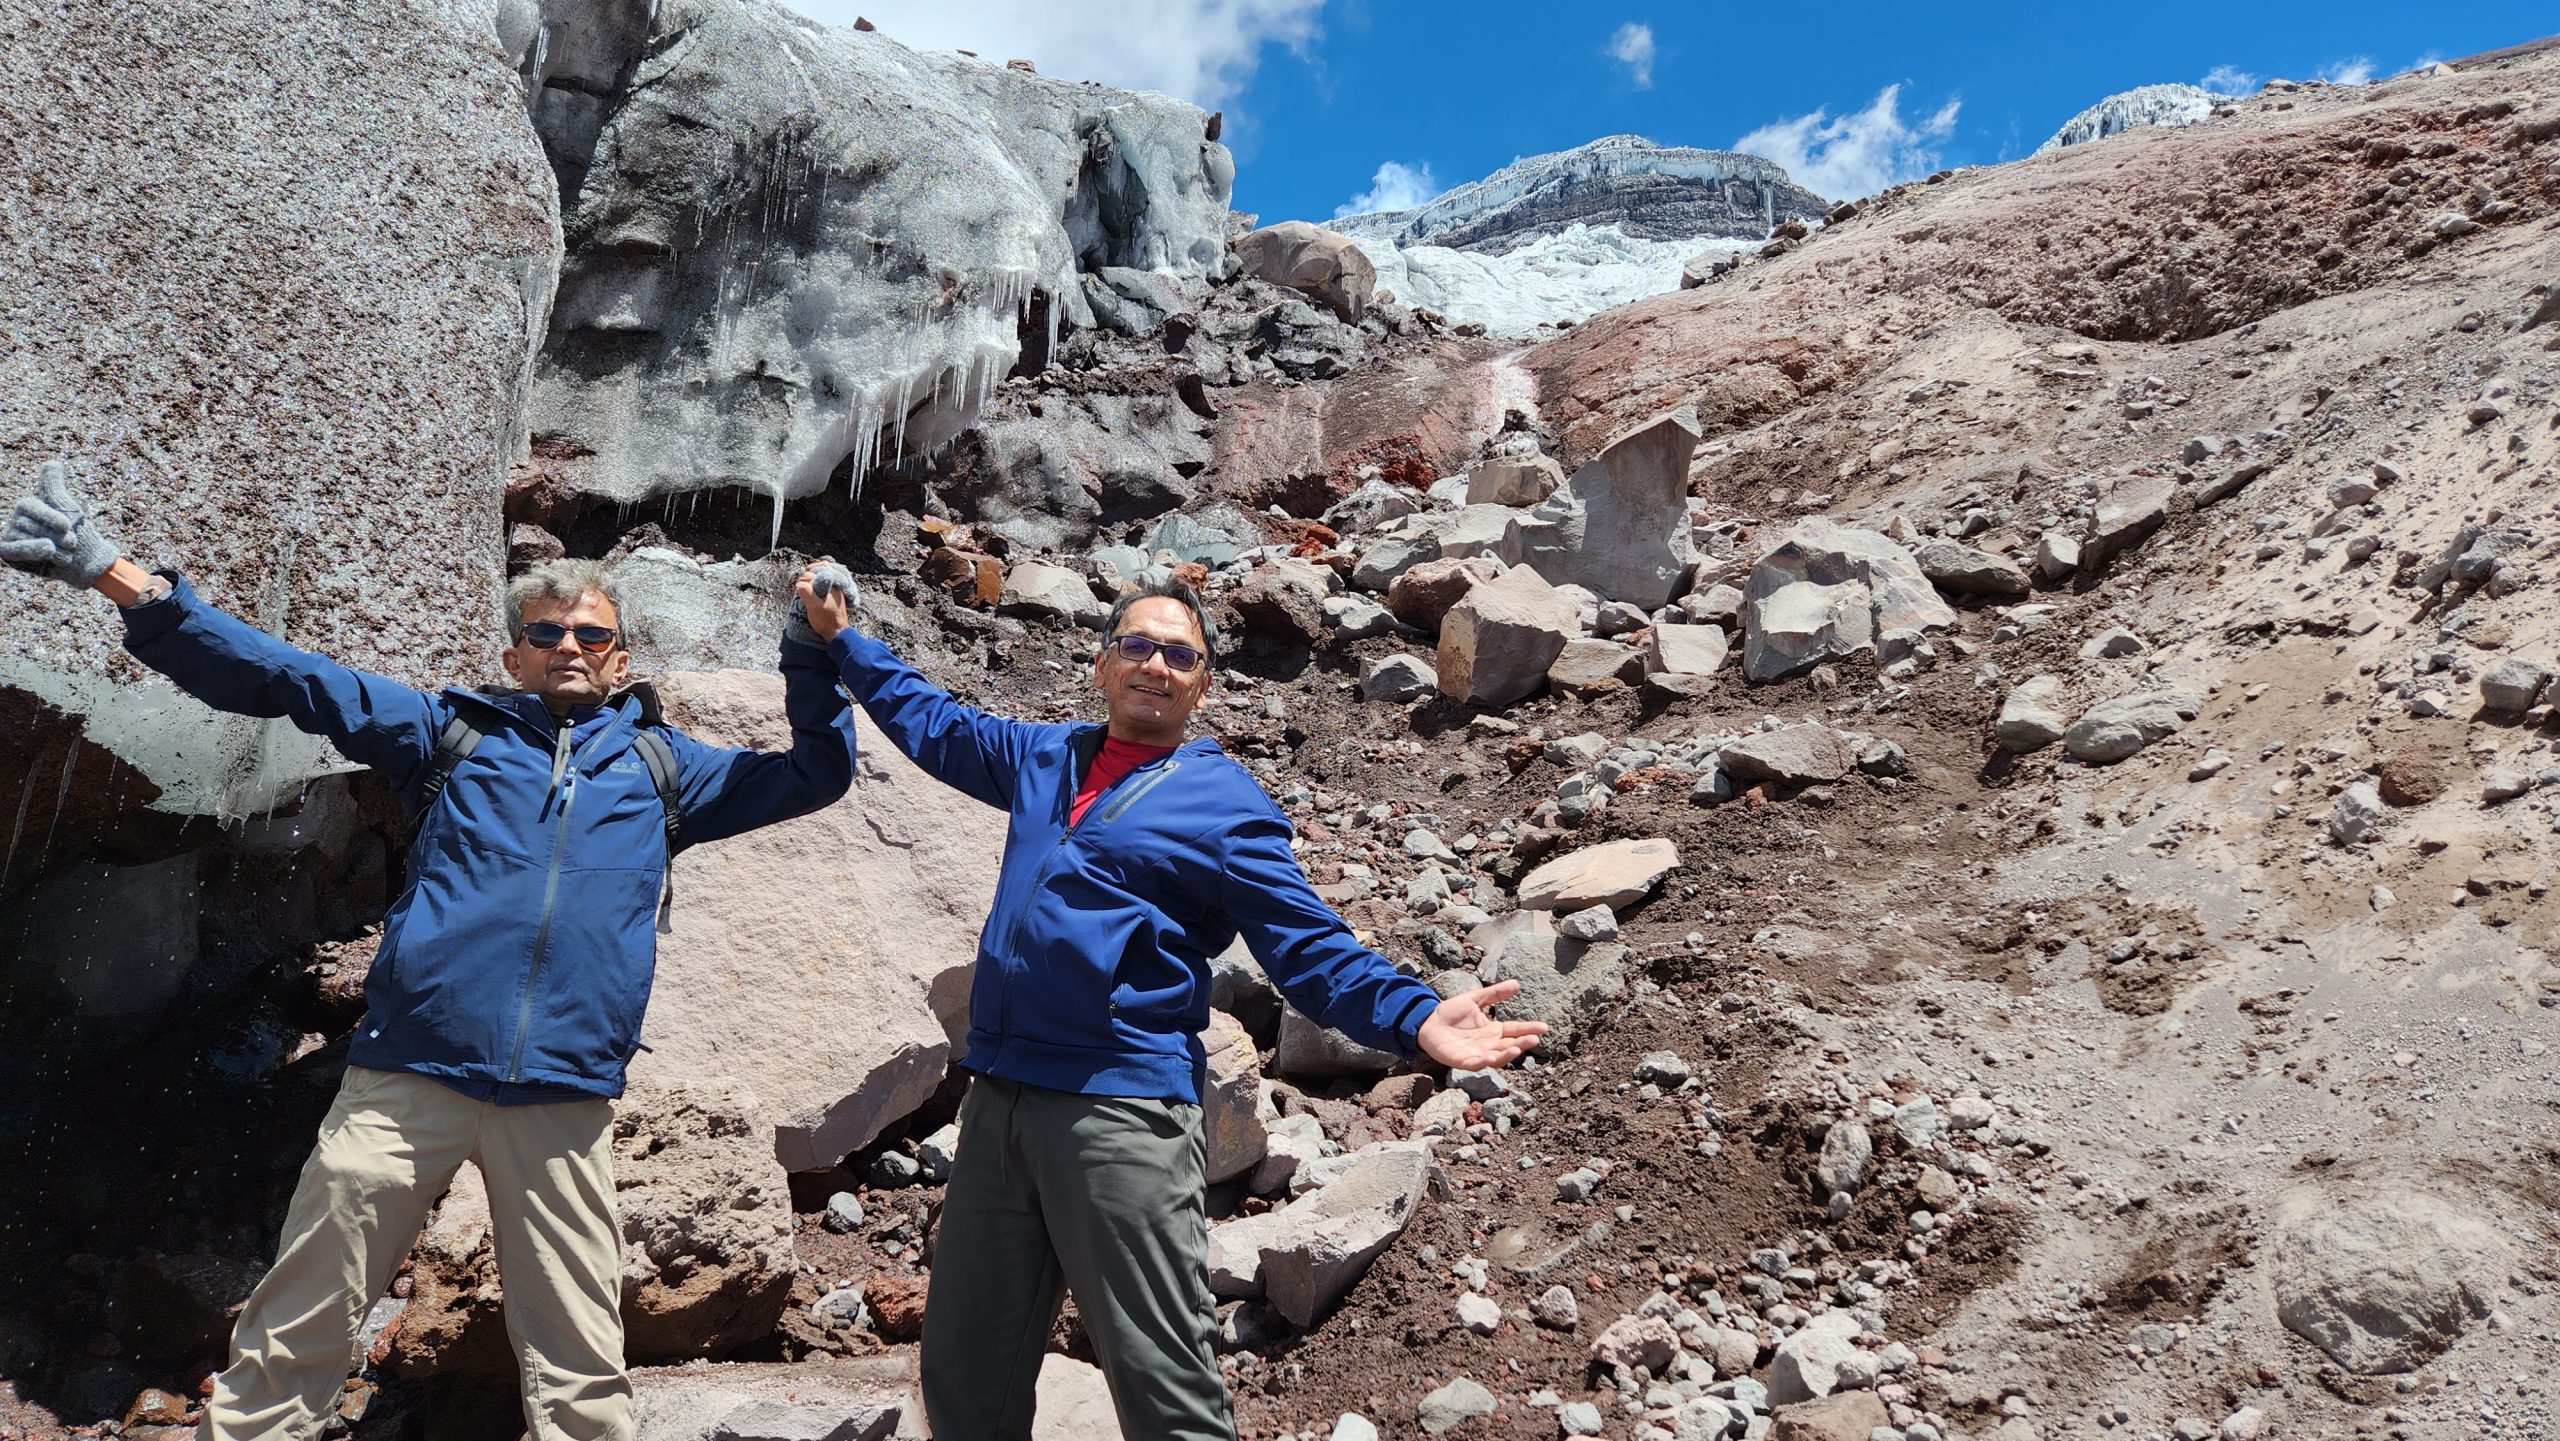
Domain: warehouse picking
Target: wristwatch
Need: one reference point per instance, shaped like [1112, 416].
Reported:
[154, 590]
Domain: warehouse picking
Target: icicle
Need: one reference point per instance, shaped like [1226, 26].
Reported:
[776, 543]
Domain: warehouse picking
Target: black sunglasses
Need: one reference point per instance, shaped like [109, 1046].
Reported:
[593, 639]
[1136, 648]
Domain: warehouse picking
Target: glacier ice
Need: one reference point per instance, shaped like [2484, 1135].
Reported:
[2165, 105]
[796, 248]
[1570, 276]
[1562, 237]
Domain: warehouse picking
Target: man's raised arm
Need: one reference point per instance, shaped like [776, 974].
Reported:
[224, 662]
[961, 746]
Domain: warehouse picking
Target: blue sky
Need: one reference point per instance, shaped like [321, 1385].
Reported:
[1323, 96]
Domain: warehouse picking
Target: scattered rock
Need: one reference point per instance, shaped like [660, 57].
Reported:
[1793, 756]
[1620, 526]
[1828, 592]
[2382, 1279]
[2114, 729]
[1843, 1163]
[1632, 1341]
[2031, 717]
[1498, 641]
[1615, 875]
[1849, 1416]
[1818, 1359]
[1555, 1306]
[1963, 570]
[2511, 686]
[1454, 1405]
[1397, 679]
[2357, 816]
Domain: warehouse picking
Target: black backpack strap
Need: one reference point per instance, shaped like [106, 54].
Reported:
[454, 745]
[660, 758]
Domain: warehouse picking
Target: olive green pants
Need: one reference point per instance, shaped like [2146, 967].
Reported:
[388, 1149]
[1103, 1198]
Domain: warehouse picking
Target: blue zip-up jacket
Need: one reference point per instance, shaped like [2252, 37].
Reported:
[521, 951]
[1093, 969]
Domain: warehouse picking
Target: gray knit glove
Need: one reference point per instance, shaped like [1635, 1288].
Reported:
[50, 533]
[831, 578]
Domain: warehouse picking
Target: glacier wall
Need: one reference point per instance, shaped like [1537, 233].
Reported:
[1566, 277]
[794, 249]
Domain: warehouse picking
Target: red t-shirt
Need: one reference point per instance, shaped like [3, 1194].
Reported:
[1117, 759]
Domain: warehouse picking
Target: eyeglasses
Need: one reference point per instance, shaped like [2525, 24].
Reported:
[1135, 649]
[593, 639]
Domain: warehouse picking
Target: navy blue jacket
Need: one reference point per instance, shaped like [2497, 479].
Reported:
[1093, 969]
[521, 951]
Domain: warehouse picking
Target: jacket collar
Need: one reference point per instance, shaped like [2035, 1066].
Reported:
[633, 706]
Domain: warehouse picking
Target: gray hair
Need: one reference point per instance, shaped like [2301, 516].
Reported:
[1168, 590]
[566, 581]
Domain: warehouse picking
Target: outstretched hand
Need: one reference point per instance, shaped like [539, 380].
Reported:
[1461, 1032]
[50, 533]
[822, 602]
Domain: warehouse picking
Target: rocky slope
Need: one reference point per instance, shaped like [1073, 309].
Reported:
[1561, 237]
[2012, 736]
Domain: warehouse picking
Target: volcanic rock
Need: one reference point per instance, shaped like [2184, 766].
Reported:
[1498, 640]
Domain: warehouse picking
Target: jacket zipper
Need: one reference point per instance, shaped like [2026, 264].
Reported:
[1152, 773]
[564, 780]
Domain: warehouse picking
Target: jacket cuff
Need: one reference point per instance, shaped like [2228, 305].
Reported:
[1409, 1026]
[146, 623]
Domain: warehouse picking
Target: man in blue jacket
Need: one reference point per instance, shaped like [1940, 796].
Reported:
[506, 996]
[1131, 857]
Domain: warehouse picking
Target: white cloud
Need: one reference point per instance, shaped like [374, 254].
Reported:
[1396, 186]
[1203, 51]
[1632, 47]
[2356, 71]
[1854, 155]
[2229, 80]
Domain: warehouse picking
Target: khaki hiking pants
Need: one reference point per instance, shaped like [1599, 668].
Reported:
[387, 1150]
[1101, 1197]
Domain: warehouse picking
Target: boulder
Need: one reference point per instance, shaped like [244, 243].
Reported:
[2114, 729]
[1308, 1049]
[1356, 617]
[1686, 650]
[1285, 597]
[1072, 1402]
[1793, 756]
[1473, 530]
[1231, 1099]
[2124, 516]
[1454, 1405]
[2357, 816]
[1818, 1359]
[1846, 1149]
[1589, 667]
[1051, 592]
[1963, 570]
[771, 277]
[1385, 559]
[2511, 686]
[1718, 605]
[1513, 482]
[1422, 594]
[1848, 1416]
[2383, 1278]
[1497, 642]
[682, 614]
[1616, 874]
[2030, 716]
[706, 1240]
[823, 962]
[819, 1398]
[227, 260]
[2057, 555]
[1324, 264]
[1396, 679]
[1827, 592]
[1567, 984]
[1632, 1341]
[1620, 526]
[1322, 1244]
